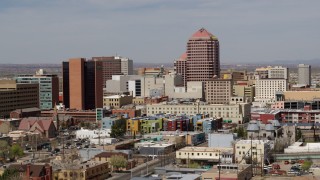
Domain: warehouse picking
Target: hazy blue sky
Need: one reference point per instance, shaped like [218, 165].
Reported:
[49, 31]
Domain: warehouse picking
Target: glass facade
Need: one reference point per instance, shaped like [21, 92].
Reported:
[45, 89]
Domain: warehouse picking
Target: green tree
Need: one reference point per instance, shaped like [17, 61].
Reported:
[242, 133]
[306, 165]
[11, 174]
[118, 162]
[118, 130]
[194, 165]
[16, 151]
[81, 124]
[298, 134]
[54, 144]
[3, 148]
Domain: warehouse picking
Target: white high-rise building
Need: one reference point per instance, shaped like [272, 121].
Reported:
[304, 74]
[278, 72]
[266, 89]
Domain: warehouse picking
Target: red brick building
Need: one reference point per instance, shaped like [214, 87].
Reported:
[126, 113]
[33, 171]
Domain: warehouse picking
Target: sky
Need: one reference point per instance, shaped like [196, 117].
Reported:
[156, 31]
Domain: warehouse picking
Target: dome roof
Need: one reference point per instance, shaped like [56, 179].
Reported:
[270, 127]
[253, 126]
[275, 123]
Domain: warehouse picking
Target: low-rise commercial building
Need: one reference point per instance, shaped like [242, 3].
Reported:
[204, 155]
[116, 101]
[221, 140]
[259, 149]
[144, 125]
[236, 113]
[157, 149]
[87, 133]
[208, 125]
[81, 170]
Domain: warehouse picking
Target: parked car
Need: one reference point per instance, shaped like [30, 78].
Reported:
[286, 162]
[293, 162]
[275, 166]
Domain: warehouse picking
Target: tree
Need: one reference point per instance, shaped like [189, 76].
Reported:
[54, 144]
[117, 130]
[118, 162]
[242, 133]
[306, 165]
[3, 148]
[16, 151]
[10, 174]
[194, 165]
[298, 134]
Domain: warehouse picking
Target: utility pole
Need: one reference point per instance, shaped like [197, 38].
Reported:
[251, 157]
[219, 167]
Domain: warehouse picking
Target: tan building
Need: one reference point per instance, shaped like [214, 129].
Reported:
[237, 113]
[138, 100]
[260, 149]
[234, 75]
[301, 95]
[116, 101]
[204, 154]
[218, 91]
[106, 157]
[152, 71]
[80, 171]
[248, 92]
[17, 96]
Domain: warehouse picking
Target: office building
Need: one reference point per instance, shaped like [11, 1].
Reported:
[126, 65]
[304, 74]
[110, 66]
[17, 96]
[120, 84]
[278, 72]
[82, 84]
[48, 87]
[202, 58]
[236, 113]
[218, 91]
[114, 65]
[266, 89]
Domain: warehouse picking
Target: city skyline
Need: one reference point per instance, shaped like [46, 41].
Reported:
[249, 31]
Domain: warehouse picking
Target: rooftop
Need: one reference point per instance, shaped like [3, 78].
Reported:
[253, 141]
[203, 33]
[206, 149]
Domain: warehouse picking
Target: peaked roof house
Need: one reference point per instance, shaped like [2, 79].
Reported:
[45, 127]
[38, 171]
